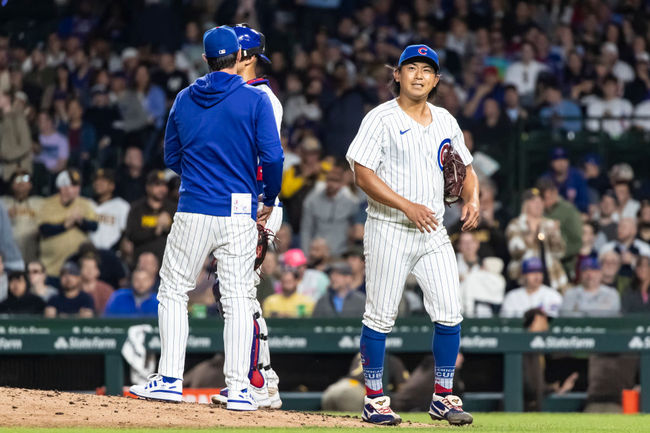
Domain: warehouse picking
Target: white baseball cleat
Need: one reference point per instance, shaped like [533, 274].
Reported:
[241, 401]
[261, 396]
[449, 408]
[158, 388]
[221, 398]
[377, 411]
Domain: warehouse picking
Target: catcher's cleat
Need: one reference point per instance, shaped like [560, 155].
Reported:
[159, 388]
[241, 401]
[221, 398]
[377, 411]
[449, 408]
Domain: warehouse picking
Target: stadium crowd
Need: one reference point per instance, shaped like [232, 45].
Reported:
[87, 203]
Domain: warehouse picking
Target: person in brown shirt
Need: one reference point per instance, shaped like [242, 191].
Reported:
[149, 220]
[91, 284]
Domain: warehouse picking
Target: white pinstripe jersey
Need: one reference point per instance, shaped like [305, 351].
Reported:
[407, 156]
[275, 103]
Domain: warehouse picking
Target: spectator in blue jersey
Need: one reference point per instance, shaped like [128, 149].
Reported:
[560, 113]
[137, 301]
[569, 180]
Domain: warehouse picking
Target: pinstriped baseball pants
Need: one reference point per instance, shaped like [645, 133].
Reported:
[193, 237]
[393, 251]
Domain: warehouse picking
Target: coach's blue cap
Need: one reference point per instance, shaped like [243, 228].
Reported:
[589, 263]
[532, 264]
[251, 41]
[422, 52]
[220, 41]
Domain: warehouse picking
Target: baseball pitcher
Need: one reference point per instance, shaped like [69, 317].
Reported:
[403, 154]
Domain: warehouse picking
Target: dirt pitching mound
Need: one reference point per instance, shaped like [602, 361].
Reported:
[30, 408]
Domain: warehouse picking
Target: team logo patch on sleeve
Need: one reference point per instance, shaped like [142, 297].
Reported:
[442, 152]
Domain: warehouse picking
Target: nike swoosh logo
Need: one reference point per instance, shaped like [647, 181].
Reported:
[404, 132]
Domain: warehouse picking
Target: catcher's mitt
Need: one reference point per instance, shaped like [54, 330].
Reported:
[453, 170]
[264, 238]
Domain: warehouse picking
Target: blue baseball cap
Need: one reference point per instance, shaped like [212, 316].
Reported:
[422, 52]
[220, 41]
[251, 41]
[559, 153]
[532, 264]
[589, 263]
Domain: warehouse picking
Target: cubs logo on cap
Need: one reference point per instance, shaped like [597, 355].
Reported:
[419, 52]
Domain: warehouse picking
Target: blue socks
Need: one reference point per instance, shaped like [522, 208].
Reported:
[445, 345]
[373, 348]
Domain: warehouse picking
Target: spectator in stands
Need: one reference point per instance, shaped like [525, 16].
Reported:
[636, 297]
[587, 246]
[523, 74]
[357, 261]
[91, 284]
[489, 89]
[610, 263]
[512, 106]
[559, 113]
[15, 139]
[533, 235]
[627, 245]
[112, 212]
[288, 303]
[284, 238]
[642, 116]
[81, 136]
[618, 68]
[492, 131]
[134, 117]
[609, 114]
[644, 221]
[300, 179]
[569, 181]
[341, 300]
[638, 90]
[23, 211]
[591, 298]
[65, 221]
[72, 301]
[621, 176]
[482, 290]
[148, 261]
[131, 178]
[152, 97]
[319, 254]
[596, 179]
[467, 256]
[53, 146]
[169, 77]
[137, 301]
[608, 216]
[329, 213]
[149, 220]
[534, 294]
[20, 300]
[312, 283]
[36, 274]
[104, 117]
[560, 210]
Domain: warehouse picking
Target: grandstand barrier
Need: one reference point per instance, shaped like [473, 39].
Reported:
[320, 336]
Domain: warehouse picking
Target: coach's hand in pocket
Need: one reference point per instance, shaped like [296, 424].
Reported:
[422, 216]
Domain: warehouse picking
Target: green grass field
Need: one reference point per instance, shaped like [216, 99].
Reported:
[483, 423]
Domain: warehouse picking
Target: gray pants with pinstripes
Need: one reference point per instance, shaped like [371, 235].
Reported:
[232, 240]
[393, 251]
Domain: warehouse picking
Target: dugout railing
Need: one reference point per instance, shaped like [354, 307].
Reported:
[27, 336]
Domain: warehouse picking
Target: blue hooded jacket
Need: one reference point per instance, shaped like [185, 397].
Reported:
[218, 129]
